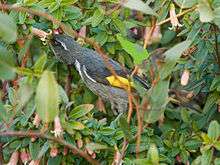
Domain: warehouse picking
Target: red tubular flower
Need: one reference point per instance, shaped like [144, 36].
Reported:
[173, 18]
[58, 130]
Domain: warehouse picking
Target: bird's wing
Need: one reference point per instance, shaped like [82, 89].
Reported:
[97, 69]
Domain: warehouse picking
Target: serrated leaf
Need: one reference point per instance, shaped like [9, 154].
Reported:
[136, 51]
[8, 28]
[81, 110]
[171, 57]
[205, 11]
[47, 97]
[214, 130]
[7, 70]
[139, 6]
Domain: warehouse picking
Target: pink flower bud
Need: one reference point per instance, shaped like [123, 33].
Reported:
[54, 152]
[93, 155]
[79, 143]
[58, 130]
[37, 120]
[65, 151]
[185, 77]
[25, 156]
[82, 31]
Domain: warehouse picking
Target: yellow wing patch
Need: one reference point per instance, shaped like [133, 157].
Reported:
[120, 82]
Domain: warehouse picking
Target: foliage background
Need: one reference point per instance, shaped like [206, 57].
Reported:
[171, 127]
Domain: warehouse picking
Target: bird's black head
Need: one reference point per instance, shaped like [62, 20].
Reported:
[64, 47]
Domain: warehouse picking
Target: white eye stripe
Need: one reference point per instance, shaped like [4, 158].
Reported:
[63, 45]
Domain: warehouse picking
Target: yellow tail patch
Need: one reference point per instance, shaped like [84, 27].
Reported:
[120, 82]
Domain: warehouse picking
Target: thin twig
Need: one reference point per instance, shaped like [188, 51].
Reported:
[216, 45]
[178, 15]
[1, 154]
[138, 140]
[48, 137]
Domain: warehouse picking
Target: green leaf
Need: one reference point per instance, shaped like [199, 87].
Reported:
[186, 3]
[96, 146]
[71, 13]
[171, 57]
[43, 150]
[217, 17]
[185, 115]
[23, 95]
[7, 70]
[136, 51]
[206, 157]
[205, 11]
[214, 130]
[120, 26]
[154, 155]
[55, 160]
[139, 6]
[101, 37]
[47, 97]
[81, 110]
[8, 28]
[34, 149]
[40, 63]
[63, 95]
[211, 101]
[217, 145]
[97, 18]
[158, 101]
[5, 116]
[76, 125]
[125, 127]
[217, 161]
[145, 161]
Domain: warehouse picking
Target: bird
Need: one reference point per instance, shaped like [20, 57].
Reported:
[95, 73]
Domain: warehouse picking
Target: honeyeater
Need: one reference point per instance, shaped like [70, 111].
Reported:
[95, 73]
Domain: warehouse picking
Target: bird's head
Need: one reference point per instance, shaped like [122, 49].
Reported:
[64, 47]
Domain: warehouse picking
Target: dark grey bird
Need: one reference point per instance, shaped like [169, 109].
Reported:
[94, 71]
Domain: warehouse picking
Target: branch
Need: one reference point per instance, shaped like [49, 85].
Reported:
[178, 15]
[48, 137]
